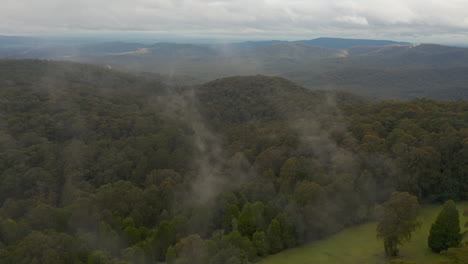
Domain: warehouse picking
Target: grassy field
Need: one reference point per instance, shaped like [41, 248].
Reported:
[359, 245]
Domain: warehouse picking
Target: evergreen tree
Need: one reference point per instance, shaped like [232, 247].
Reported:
[445, 232]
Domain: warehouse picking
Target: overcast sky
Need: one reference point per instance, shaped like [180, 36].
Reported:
[411, 20]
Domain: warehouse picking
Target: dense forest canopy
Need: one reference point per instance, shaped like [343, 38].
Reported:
[98, 166]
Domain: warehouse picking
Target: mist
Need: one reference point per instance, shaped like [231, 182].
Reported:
[193, 132]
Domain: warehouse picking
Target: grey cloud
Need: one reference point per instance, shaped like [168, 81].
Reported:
[267, 17]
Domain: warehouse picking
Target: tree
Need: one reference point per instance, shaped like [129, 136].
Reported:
[243, 243]
[465, 213]
[308, 193]
[287, 231]
[51, 247]
[445, 232]
[230, 218]
[190, 249]
[247, 222]
[291, 172]
[274, 237]
[260, 242]
[171, 255]
[134, 255]
[97, 257]
[398, 218]
[164, 236]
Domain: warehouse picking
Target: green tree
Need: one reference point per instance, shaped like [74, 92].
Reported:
[308, 193]
[171, 255]
[465, 213]
[132, 235]
[44, 248]
[260, 242]
[247, 222]
[97, 257]
[190, 249]
[274, 236]
[164, 236]
[230, 218]
[398, 218]
[290, 173]
[11, 231]
[287, 231]
[242, 243]
[134, 255]
[445, 232]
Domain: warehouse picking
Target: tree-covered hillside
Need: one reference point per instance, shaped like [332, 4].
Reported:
[381, 69]
[98, 166]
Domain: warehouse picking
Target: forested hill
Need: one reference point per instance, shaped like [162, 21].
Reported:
[50, 74]
[340, 43]
[382, 69]
[248, 101]
[237, 100]
[98, 166]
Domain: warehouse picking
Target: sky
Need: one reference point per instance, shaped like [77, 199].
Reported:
[441, 21]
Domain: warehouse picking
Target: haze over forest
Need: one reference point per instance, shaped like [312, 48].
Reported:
[234, 132]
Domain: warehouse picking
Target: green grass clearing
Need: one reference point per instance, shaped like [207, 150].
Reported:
[359, 245]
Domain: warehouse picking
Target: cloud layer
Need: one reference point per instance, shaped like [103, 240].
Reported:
[238, 17]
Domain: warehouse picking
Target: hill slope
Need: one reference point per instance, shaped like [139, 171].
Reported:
[97, 164]
[386, 69]
[360, 245]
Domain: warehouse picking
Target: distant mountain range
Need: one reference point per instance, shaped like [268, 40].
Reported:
[340, 43]
[378, 68]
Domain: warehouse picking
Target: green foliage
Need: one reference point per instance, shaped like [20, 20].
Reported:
[108, 163]
[397, 220]
[171, 255]
[97, 257]
[288, 234]
[308, 193]
[44, 248]
[260, 242]
[132, 235]
[134, 255]
[230, 221]
[247, 224]
[400, 261]
[275, 236]
[445, 232]
[190, 249]
[359, 245]
[457, 255]
[242, 243]
[164, 236]
[292, 171]
[11, 231]
[252, 219]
